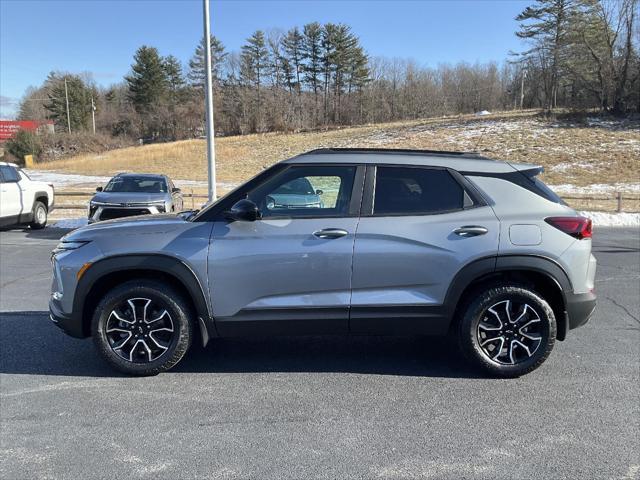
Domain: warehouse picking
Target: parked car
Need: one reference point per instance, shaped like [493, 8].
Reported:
[22, 200]
[132, 194]
[412, 242]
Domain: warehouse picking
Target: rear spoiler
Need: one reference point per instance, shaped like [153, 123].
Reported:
[528, 169]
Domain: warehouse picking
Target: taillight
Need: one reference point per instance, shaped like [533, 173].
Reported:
[578, 227]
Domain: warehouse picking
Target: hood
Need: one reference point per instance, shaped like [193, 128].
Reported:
[140, 225]
[129, 197]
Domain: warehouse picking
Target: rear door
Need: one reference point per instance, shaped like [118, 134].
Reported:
[419, 227]
[289, 272]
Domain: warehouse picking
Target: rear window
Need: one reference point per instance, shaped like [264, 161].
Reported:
[414, 191]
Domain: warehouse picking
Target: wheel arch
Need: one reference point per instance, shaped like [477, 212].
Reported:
[542, 274]
[43, 197]
[109, 272]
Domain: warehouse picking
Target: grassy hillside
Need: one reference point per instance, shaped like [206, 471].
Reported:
[581, 151]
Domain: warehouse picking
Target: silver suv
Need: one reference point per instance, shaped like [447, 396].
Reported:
[132, 194]
[398, 242]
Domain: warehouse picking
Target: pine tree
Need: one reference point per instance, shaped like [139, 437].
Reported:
[79, 101]
[197, 68]
[254, 63]
[148, 82]
[311, 55]
[547, 24]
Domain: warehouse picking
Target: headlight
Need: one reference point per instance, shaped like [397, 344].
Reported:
[98, 204]
[65, 246]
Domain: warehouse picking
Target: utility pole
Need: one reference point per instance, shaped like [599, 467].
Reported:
[211, 148]
[93, 114]
[524, 74]
[66, 96]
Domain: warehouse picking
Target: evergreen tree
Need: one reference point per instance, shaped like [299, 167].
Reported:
[148, 82]
[254, 63]
[197, 68]
[311, 55]
[79, 101]
[547, 24]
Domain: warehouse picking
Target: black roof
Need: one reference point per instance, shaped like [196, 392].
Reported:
[392, 151]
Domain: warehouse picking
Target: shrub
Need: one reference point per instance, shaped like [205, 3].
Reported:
[24, 143]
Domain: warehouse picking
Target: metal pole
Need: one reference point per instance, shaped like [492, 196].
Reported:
[93, 115]
[211, 148]
[66, 96]
[524, 74]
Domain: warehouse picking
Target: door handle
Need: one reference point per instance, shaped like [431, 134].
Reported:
[470, 231]
[330, 233]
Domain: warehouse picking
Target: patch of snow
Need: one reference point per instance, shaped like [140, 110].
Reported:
[69, 223]
[482, 113]
[65, 179]
[568, 188]
[566, 166]
[62, 180]
[608, 219]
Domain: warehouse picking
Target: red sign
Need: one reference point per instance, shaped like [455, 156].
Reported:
[8, 128]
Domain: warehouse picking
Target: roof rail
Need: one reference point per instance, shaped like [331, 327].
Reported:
[399, 151]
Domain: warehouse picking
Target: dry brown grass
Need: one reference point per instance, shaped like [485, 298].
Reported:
[571, 151]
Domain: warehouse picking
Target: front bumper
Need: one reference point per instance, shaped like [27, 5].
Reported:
[70, 325]
[580, 308]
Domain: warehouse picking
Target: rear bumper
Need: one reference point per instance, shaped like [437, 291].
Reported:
[70, 325]
[580, 308]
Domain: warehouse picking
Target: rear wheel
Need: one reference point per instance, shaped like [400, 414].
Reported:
[507, 330]
[39, 216]
[142, 327]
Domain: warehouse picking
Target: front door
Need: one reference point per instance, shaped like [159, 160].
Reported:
[289, 272]
[418, 229]
[10, 193]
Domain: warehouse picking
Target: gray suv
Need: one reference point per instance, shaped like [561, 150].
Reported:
[132, 194]
[402, 242]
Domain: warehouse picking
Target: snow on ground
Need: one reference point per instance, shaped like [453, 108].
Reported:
[67, 180]
[607, 219]
[569, 188]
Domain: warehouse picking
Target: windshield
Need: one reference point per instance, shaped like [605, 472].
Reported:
[137, 184]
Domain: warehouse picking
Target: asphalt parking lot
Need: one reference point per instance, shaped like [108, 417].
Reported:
[319, 407]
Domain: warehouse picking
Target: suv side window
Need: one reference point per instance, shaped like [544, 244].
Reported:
[9, 174]
[416, 191]
[306, 191]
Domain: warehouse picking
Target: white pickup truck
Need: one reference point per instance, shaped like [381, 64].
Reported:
[23, 201]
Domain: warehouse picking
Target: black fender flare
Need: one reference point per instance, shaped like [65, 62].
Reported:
[502, 263]
[147, 262]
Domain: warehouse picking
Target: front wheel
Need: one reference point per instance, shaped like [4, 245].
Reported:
[507, 330]
[39, 216]
[142, 327]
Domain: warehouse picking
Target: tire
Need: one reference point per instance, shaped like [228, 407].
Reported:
[142, 327]
[518, 315]
[39, 216]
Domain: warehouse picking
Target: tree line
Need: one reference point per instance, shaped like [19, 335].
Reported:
[580, 54]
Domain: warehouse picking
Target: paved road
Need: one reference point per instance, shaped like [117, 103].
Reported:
[318, 407]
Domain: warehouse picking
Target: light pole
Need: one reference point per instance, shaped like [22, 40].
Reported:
[211, 148]
[93, 115]
[66, 96]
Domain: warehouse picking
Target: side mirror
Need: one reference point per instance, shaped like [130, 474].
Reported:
[175, 190]
[98, 189]
[244, 210]
[319, 192]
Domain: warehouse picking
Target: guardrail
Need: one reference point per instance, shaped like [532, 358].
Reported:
[82, 206]
[618, 199]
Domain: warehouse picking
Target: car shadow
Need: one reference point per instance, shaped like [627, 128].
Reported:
[30, 344]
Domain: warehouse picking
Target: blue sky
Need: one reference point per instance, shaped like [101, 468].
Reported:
[101, 36]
